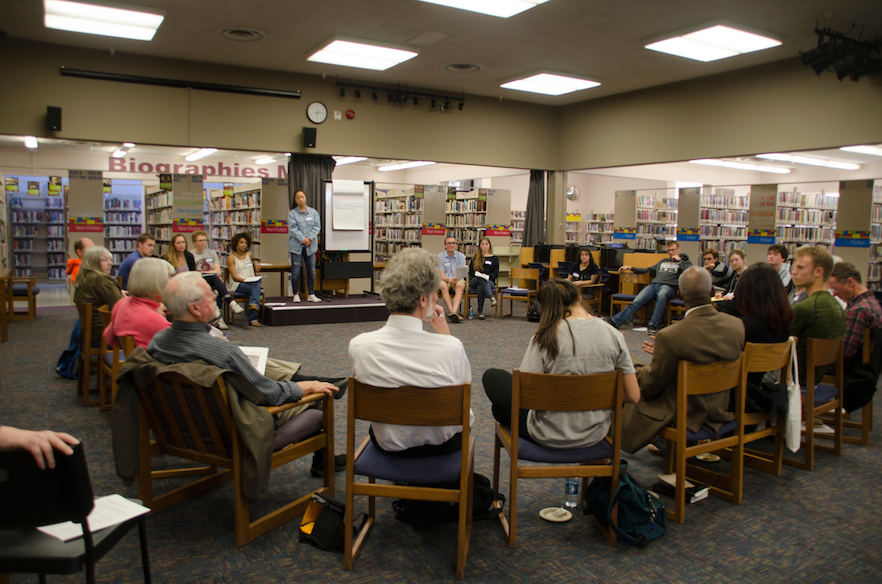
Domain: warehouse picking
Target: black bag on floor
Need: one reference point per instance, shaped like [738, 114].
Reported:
[67, 363]
[641, 514]
[323, 523]
[483, 497]
[533, 311]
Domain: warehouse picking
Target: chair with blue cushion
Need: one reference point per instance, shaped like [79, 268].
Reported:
[22, 290]
[820, 398]
[413, 477]
[621, 299]
[560, 393]
[694, 379]
[675, 305]
[527, 288]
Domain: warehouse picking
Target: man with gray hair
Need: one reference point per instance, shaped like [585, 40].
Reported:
[402, 353]
[191, 303]
[702, 336]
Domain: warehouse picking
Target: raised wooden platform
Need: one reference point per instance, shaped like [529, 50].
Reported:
[366, 307]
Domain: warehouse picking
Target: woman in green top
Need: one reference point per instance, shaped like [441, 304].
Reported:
[96, 286]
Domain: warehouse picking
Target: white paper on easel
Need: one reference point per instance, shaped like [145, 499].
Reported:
[348, 212]
[108, 511]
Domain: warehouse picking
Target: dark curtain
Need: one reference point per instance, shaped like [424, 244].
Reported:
[534, 223]
[306, 172]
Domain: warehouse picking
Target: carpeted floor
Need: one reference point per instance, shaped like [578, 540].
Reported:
[800, 527]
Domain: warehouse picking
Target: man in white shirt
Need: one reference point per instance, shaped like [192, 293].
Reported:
[402, 353]
[451, 259]
[777, 258]
[208, 264]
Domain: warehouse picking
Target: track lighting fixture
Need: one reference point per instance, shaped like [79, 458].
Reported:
[401, 95]
[846, 56]
[358, 92]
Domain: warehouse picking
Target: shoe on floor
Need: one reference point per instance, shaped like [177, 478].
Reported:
[342, 386]
[296, 298]
[493, 301]
[318, 464]
[220, 324]
[480, 317]
[608, 320]
[236, 308]
[453, 317]
[255, 323]
[313, 298]
[651, 330]
[253, 307]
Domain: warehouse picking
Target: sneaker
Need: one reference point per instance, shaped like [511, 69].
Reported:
[236, 308]
[608, 320]
[318, 464]
[651, 330]
[493, 301]
[255, 323]
[220, 324]
[296, 298]
[480, 317]
[313, 298]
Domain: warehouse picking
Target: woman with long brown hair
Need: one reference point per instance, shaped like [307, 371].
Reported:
[569, 341]
[483, 271]
[178, 256]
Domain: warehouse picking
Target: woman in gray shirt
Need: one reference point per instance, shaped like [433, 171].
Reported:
[569, 341]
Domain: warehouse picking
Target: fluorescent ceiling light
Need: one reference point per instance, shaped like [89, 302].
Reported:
[500, 8]
[742, 165]
[124, 21]
[202, 153]
[265, 160]
[688, 185]
[361, 55]
[549, 84]
[30, 142]
[123, 150]
[811, 161]
[872, 150]
[341, 160]
[716, 42]
[404, 165]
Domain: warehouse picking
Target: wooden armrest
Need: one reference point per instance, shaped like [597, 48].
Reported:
[305, 400]
[597, 285]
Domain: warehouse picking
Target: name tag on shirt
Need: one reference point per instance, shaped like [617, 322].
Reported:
[488, 262]
[575, 274]
[309, 218]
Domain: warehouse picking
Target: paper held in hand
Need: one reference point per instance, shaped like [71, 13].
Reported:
[257, 356]
[108, 511]
[252, 279]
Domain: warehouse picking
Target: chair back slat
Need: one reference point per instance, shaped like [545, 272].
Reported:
[762, 357]
[632, 278]
[820, 352]
[106, 314]
[705, 378]
[84, 309]
[127, 344]
[412, 406]
[193, 432]
[531, 275]
[572, 393]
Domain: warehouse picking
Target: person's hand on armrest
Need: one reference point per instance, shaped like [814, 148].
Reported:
[310, 387]
[39, 444]
[624, 269]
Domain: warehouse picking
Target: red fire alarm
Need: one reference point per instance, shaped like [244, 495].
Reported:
[350, 114]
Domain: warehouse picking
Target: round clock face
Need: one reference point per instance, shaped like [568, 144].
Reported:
[317, 112]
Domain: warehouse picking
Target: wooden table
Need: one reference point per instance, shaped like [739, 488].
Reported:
[282, 269]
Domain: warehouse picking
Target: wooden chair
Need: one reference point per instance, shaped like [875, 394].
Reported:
[111, 360]
[820, 399]
[675, 305]
[444, 406]
[695, 379]
[239, 298]
[527, 289]
[595, 303]
[621, 299]
[181, 416]
[560, 393]
[90, 357]
[865, 426]
[4, 316]
[471, 293]
[758, 358]
[22, 290]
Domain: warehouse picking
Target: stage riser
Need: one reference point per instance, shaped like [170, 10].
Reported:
[336, 311]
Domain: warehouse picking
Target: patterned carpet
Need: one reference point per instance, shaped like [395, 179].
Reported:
[800, 527]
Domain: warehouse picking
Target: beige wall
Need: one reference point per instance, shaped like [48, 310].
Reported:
[770, 108]
[486, 132]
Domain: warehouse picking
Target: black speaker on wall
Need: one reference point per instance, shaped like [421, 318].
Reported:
[53, 119]
[309, 137]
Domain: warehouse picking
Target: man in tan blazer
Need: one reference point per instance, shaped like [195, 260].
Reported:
[703, 336]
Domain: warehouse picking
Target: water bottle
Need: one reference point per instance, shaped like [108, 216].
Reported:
[471, 313]
[571, 493]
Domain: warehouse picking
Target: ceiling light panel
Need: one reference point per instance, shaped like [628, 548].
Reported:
[500, 8]
[265, 160]
[549, 84]
[404, 165]
[872, 150]
[361, 55]
[714, 43]
[199, 154]
[30, 142]
[742, 165]
[810, 161]
[343, 160]
[123, 21]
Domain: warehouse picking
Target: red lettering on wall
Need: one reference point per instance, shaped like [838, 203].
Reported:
[131, 165]
[264, 172]
[145, 167]
[177, 168]
[191, 169]
[223, 170]
[247, 172]
[235, 169]
[162, 167]
[208, 170]
[283, 171]
[117, 164]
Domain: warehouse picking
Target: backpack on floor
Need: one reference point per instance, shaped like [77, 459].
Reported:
[641, 514]
[483, 497]
[533, 311]
[67, 363]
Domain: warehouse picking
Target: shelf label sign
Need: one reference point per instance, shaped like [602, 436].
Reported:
[687, 234]
[852, 239]
[274, 226]
[86, 225]
[763, 236]
[186, 225]
[574, 217]
[625, 233]
[498, 230]
[434, 229]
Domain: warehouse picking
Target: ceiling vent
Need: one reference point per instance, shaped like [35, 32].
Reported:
[242, 35]
[462, 67]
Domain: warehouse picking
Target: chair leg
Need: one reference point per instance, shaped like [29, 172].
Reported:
[512, 503]
[145, 556]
